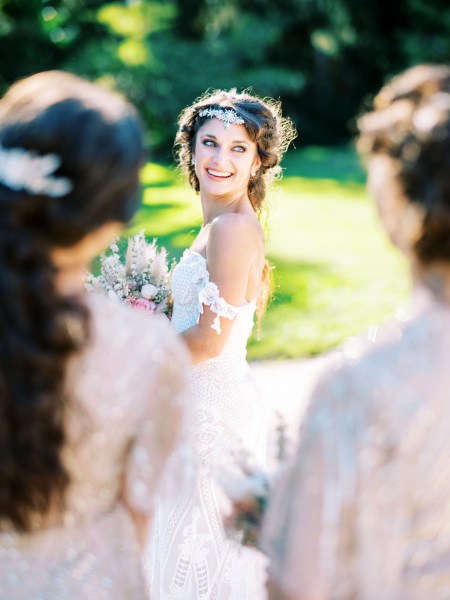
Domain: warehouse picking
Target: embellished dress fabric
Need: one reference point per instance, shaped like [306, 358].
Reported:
[126, 399]
[363, 511]
[190, 557]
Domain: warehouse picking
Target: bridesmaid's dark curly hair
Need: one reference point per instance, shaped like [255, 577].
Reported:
[410, 125]
[98, 138]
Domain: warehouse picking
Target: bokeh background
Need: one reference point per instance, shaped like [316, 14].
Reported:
[335, 273]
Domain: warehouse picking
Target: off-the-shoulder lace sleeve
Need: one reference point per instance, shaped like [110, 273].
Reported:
[210, 296]
[160, 427]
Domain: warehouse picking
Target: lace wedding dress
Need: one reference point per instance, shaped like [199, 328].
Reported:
[190, 557]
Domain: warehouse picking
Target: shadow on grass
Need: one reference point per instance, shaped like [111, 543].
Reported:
[292, 280]
[340, 164]
[303, 304]
[160, 184]
[161, 206]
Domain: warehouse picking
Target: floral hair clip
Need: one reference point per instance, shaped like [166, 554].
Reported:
[25, 170]
[227, 115]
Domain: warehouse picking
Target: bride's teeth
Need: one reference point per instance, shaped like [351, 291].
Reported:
[217, 174]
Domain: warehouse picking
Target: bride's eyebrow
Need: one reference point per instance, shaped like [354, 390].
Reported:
[213, 137]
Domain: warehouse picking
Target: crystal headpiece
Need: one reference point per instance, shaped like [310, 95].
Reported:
[25, 170]
[227, 115]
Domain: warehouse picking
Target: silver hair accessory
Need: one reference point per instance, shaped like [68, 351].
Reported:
[25, 170]
[227, 115]
[193, 160]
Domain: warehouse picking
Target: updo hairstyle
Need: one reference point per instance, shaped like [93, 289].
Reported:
[410, 124]
[97, 137]
[271, 132]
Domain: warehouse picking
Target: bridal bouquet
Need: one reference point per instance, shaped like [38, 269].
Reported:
[142, 280]
[248, 488]
[248, 493]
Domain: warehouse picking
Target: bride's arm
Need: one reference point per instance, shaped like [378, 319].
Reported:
[233, 246]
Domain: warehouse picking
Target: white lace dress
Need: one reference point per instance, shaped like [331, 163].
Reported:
[190, 557]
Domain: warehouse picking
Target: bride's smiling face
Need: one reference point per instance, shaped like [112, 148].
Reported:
[224, 158]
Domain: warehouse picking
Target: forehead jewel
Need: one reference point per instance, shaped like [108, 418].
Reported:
[227, 115]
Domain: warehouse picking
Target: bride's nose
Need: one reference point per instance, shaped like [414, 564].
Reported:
[220, 156]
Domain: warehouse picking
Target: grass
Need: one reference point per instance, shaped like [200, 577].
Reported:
[335, 272]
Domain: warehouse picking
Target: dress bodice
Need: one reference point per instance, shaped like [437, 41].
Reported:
[192, 288]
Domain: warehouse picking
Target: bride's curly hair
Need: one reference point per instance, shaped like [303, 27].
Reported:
[98, 138]
[265, 125]
[410, 125]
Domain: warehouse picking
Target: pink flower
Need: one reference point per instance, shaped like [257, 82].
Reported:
[143, 304]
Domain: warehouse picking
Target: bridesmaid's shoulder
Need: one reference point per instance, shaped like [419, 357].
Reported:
[360, 373]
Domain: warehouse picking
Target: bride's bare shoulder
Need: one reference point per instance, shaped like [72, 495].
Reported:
[236, 232]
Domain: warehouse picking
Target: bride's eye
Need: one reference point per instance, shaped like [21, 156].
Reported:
[209, 143]
[239, 148]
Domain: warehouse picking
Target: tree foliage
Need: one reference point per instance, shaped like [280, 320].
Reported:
[324, 58]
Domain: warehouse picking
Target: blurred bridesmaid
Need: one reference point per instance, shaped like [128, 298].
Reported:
[90, 407]
[364, 510]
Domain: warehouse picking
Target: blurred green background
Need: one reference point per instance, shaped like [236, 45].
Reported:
[335, 273]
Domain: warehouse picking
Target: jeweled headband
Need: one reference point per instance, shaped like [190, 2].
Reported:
[227, 115]
[25, 170]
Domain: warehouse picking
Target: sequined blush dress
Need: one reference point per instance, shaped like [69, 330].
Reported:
[189, 557]
[363, 510]
[126, 395]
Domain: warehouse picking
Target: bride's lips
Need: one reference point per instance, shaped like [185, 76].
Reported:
[216, 175]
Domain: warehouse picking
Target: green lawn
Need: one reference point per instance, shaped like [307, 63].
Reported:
[335, 273]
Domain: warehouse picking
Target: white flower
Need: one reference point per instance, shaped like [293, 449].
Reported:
[159, 268]
[113, 296]
[149, 291]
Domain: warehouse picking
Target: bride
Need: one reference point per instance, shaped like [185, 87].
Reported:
[229, 146]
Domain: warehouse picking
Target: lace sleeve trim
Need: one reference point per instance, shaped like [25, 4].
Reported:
[210, 296]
